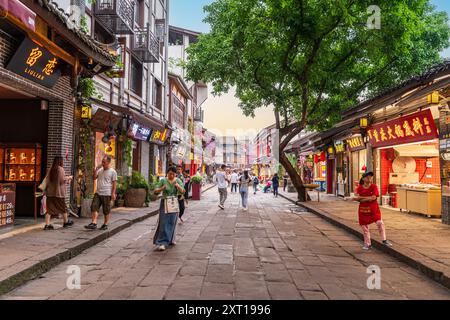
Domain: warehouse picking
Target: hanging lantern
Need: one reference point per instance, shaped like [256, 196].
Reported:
[433, 98]
[86, 112]
[323, 156]
[330, 150]
[363, 123]
[316, 158]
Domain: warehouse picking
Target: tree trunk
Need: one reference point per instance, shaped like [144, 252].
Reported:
[295, 177]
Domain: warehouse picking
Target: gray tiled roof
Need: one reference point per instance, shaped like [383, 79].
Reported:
[53, 7]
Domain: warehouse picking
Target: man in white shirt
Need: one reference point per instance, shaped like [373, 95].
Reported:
[222, 183]
[106, 192]
[234, 181]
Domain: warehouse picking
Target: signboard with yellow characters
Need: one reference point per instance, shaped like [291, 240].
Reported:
[35, 63]
[104, 149]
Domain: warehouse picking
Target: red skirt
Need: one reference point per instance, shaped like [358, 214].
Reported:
[369, 212]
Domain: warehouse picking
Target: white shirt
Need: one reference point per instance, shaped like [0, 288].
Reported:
[221, 180]
[234, 177]
[105, 179]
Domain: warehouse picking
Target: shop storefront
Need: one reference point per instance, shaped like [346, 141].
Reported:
[320, 170]
[406, 153]
[445, 163]
[357, 160]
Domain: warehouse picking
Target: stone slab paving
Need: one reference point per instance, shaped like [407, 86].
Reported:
[265, 253]
[422, 242]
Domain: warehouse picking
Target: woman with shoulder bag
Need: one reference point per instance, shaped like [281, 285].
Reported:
[244, 182]
[55, 191]
[171, 187]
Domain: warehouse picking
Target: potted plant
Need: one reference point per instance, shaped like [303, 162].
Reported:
[196, 187]
[152, 186]
[121, 190]
[136, 194]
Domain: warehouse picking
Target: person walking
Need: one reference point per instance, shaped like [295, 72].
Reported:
[234, 181]
[222, 183]
[244, 182]
[369, 211]
[171, 187]
[181, 199]
[285, 181]
[106, 178]
[255, 184]
[187, 185]
[275, 184]
[55, 191]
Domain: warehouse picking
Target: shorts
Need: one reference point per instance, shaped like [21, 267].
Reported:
[101, 201]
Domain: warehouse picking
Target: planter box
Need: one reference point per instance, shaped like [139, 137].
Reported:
[86, 208]
[135, 198]
[196, 191]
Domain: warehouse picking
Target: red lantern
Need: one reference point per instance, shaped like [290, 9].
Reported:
[316, 158]
[323, 156]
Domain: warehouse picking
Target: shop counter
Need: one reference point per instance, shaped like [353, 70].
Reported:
[424, 201]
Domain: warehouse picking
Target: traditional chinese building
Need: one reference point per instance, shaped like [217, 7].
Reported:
[402, 135]
[42, 56]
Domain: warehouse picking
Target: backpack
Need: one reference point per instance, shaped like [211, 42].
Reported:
[256, 180]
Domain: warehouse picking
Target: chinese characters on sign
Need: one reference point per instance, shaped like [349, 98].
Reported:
[355, 143]
[159, 136]
[339, 146]
[35, 63]
[413, 128]
[140, 132]
[7, 204]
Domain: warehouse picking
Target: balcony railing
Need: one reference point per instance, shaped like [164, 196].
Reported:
[146, 45]
[198, 115]
[116, 15]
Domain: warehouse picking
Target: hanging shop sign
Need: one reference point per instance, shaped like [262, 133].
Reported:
[445, 127]
[159, 136]
[355, 143]
[35, 63]
[7, 204]
[139, 132]
[339, 146]
[416, 127]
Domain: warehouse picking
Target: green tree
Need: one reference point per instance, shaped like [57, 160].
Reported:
[311, 59]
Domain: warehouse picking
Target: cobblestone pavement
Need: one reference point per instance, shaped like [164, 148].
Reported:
[268, 252]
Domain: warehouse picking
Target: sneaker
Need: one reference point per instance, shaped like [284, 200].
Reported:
[91, 226]
[68, 224]
[366, 247]
[104, 227]
[221, 207]
[245, 209]
[173, 243]
[49, 227]
[387, 243]
[161, 248]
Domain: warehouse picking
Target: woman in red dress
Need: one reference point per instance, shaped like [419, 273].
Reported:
[369, 210]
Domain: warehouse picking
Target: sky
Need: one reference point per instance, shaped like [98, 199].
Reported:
[222, 114]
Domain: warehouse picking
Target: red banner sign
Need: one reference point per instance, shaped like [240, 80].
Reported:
[416, 127]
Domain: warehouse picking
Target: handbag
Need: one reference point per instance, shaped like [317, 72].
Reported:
[44, 205]
[171, 205]
[43, 185]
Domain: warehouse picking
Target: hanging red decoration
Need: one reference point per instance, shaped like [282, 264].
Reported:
[316, 158]
[323, 156]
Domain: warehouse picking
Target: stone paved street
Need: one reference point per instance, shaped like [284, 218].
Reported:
[268, 252]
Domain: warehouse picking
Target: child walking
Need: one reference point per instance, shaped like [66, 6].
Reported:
[369, 211]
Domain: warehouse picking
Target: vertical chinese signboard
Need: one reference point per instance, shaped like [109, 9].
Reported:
[7, 204]
[416, 127]
[355, 143]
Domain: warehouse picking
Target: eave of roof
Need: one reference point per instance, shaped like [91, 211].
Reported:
[181, 84]
[64, 18]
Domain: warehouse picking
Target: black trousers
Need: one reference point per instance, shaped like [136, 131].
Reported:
[234, 186]
[182, 207]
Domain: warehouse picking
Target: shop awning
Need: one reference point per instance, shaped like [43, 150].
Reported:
[417, 151]
[19, 11]
[141, 118]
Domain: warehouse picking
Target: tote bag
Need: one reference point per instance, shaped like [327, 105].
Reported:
[171, 205]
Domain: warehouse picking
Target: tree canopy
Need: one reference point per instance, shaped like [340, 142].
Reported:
[312, 59]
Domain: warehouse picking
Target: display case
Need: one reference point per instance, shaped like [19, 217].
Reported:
[20, 163]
